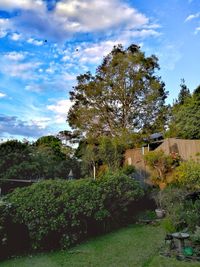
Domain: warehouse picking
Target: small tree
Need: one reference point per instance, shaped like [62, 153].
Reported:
[161, 165]
[90, 159]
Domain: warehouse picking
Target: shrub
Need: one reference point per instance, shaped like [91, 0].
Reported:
[188, 175]
[196, 236]
[173, 203]
[128, 169]
[3, 235]
[191, 214]
[162, 165]
[168, 225]
[60, 213]
[147, 215]
[182, 210]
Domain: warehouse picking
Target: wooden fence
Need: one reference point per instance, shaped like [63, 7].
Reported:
[187, 149]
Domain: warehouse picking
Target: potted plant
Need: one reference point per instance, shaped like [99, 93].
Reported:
[158, 197]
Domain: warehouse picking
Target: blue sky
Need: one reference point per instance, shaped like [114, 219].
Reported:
[44, 45]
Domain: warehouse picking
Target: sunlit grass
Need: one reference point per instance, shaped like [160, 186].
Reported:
[134, 246]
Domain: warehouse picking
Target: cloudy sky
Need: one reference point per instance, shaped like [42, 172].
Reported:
[45, 44]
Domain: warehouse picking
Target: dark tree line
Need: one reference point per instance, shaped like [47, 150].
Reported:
[44, 159]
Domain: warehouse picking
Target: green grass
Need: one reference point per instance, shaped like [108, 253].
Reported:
[135, 246]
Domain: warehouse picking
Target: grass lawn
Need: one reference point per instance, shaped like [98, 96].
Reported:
[134, 246]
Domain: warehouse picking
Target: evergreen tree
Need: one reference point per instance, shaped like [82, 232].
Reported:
[124, 95]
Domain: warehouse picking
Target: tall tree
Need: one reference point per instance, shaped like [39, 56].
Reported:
[184, 93]
[185, 116]
[124, 95]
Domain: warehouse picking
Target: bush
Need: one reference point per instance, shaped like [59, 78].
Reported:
[182, 210]
[60, 213]
[128, 169]
[3, 235]
[162, 166]
[187, 175]
[13, 236]
[173, 203]
[196, 236]
[168, 225]
[182, 201]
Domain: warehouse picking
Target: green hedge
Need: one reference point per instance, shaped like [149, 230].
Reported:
[59, 213]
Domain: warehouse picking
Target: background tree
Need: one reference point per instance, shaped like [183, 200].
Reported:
[111, 152]
[184, 93]
[44, 159]
[124, 95]
[185, 120]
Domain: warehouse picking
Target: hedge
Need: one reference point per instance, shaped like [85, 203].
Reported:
[58, 214]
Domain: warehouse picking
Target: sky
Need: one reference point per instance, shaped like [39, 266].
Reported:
[45, 44]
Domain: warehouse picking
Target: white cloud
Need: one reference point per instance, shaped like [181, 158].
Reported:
[60, 109]
[68, 77]
[192, 16]
[68, 17]
[22, 70]
[15, 56]
[93, 15]
[197, 30]
[33, 88]
[2, 33]
[4, 23]
[2, 95]
[41, 123]
[4, 26]
[35, 42]
[20, 4]
[15, 36]
[143, 33]
[95, 52]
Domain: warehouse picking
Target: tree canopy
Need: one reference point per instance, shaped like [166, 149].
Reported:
[44, 159]
[124, 95]
[184, 93]
[187, 118]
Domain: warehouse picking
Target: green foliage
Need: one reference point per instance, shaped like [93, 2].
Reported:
[111, 152]
[187, 175]
[191, 213]
[124, 95]
[161, 165]
[168, 225]
[13, 154]
[51, 146]
[147, 215]
[104, 151]
[3, 236]
[90, 158]
[61, 213]
[173, 203]
[196, 235]
[185, 121]
[43, 160]
[128, 169]
[184, 93]
[182, 210]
